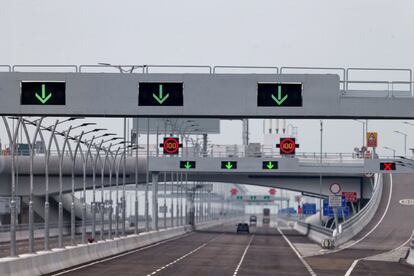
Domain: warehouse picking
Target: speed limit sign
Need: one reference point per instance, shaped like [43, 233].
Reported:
[335, 188]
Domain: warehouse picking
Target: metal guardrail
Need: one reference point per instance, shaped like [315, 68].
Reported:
[361, 219]
[369, 207]
[208, 67]
[272, 68]
[116, 68]
[365, 215]
[15, 68]
[317, 228]
[7, 67]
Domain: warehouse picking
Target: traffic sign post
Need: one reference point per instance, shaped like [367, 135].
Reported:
[287, 146]
[335, 188]
[335, 201]
[234, 191]
[350, 196]
[171, 145]
[372, 139]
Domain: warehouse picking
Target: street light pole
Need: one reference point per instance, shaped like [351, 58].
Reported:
[320, 175]
[47, 205]
[60, 210]
[391, 149]
[31, 149]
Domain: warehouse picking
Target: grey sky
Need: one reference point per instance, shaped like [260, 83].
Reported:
[371, 33]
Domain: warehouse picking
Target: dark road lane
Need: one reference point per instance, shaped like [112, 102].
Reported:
[216, 251]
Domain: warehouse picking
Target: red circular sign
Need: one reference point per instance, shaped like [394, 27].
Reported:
[272, 191]
[171, 145]
[287, 145]
[234, 191]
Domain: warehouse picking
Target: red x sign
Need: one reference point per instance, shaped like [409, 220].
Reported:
[387, 166]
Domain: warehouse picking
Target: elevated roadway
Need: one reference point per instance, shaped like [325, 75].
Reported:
[378, 248]
[293, 174]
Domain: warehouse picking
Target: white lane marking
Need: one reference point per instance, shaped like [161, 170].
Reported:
[353, 265]
[372, 230]
[120, 255]
[305, 263]
[242, 257]
[182, 257]
[351, 268]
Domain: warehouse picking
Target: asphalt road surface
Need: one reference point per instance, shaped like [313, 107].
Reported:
[216, 251]
[390, 228]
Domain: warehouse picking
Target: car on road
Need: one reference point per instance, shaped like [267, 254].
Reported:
[243, 228]
[253, 220]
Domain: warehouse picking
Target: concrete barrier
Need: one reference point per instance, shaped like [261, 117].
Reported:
[44, 262]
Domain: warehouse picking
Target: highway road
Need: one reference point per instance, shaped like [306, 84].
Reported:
[216, 251]
[390, 229]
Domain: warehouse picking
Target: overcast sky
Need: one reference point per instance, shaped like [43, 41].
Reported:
[327, 33]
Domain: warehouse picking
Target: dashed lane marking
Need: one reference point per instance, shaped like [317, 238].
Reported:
[242, 257]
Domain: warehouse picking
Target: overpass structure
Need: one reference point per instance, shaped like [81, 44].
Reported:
[291, 173]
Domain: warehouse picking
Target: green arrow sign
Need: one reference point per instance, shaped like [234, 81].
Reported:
[229, 165]
[239, 197]
[43, 98]
[279, 100]
[270, 165]
[160, 98]
[187, 165]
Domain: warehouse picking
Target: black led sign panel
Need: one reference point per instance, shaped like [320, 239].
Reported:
[43, 93]
[160, 94]
[279, 94]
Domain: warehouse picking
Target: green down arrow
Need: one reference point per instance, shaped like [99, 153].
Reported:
[279, 100]
[229, 165]
[160, 98]
[270, 165]
[187, 165]
[43, 99]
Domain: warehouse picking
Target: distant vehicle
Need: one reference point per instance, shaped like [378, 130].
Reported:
[266, 216]
[243, 228]
[253, 220]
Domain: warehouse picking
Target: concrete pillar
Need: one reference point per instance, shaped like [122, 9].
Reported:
[154, 221]
[191, 214]
[205, 144]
